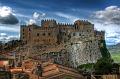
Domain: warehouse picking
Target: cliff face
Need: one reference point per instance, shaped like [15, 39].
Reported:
[83, 52]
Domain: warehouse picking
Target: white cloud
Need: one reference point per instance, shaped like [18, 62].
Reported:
[36, 17]
[112, 32]
[110, 15]
[109, 21]
[5, 11]
[3, 34]
[8, 24]
[7, 15]
[31, 21]
[5, 38]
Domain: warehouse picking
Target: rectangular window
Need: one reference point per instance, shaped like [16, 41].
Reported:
[23, 30]
[43, 34]
[73, 34]
[49, 34]
[38, 34]
[29, 29]
[79, 34]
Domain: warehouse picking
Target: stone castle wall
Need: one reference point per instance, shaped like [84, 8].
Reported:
[80, 40]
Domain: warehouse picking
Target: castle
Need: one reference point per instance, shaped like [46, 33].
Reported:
[66, 44]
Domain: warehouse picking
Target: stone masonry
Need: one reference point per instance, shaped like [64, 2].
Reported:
[79, 41]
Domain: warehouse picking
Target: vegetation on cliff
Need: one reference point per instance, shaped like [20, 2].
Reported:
[103, 66]
[104, 51]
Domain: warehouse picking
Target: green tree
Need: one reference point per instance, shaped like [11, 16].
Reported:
[104, 51]
[103, 66]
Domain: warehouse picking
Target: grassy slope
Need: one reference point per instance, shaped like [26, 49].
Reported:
[116, 57]
[115, 52]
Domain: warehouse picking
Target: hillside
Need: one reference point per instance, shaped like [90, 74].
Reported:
[115, 52]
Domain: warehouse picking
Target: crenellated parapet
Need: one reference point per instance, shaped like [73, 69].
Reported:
[64, 24]
[80, 22]
[48, 20]
[48, 23]
[100, 35]
[80, 40]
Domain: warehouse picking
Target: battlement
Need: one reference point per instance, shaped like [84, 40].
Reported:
[82, 22]
[99, 32]
[64, 24]
[77, 42]
[48, 20]
[48, 23]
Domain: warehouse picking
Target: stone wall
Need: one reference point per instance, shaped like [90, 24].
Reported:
[80, 40]
[83, 47]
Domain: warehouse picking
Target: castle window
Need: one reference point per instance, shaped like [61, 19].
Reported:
[90, 56]
[87, 30]
[49, 34]
[65, 34]
[79, 34]
[73, 34]
[38, 34]
[91, 41]
[29, 29]
[43, 34]
[23, 30]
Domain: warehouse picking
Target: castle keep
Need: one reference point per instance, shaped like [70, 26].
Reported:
[66, 44]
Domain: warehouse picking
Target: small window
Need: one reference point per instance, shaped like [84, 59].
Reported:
[87, 30]
[65, 34]
[73, 34]
[38, 34]
[91, 41]
[43, 34]
[23, 30]
[49, 34]
[79, 34]
[29, 29]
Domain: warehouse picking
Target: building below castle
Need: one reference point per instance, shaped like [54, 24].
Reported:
[66, 44]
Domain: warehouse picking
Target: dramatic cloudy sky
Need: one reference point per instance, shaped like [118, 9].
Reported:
[105, 14]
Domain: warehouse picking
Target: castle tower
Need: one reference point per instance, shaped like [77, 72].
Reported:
[79, 39]
[48, 23]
